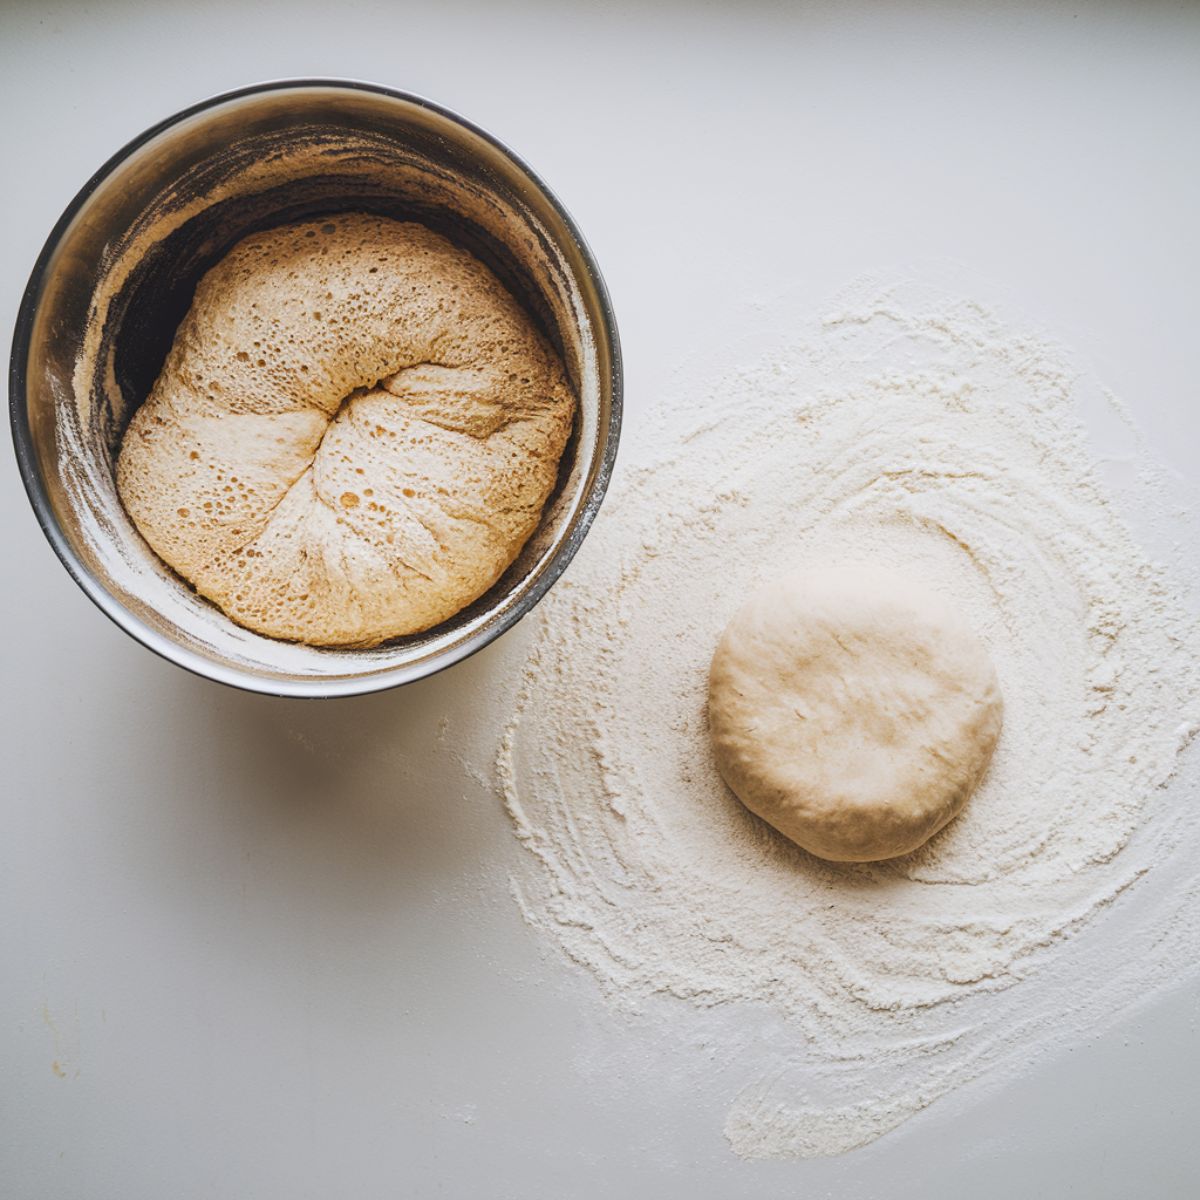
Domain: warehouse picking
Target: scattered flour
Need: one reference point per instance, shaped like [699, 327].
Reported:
[919, 431]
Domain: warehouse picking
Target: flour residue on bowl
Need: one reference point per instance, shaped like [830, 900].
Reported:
[921, 432]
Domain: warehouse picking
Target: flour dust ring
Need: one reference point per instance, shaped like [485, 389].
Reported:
[920, 433]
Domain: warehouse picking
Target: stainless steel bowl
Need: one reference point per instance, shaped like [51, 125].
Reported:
[117, 275]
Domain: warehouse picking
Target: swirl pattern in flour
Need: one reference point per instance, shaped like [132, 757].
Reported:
[922, 434]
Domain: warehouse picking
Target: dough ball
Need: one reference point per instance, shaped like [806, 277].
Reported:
[353, 434]
[853, 710]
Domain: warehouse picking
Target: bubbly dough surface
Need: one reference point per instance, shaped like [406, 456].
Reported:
[853, 710]
[353, 435]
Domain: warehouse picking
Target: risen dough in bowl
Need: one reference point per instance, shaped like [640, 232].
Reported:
[353, 434]
[853, 710]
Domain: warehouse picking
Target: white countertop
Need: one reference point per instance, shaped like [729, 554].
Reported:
[236, 966]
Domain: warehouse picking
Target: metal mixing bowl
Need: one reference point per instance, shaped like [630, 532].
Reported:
[118, 272]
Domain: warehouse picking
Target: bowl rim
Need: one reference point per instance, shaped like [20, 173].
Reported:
[314, 687]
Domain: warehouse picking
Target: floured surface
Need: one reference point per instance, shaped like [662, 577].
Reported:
[917, 430]
[353, 435]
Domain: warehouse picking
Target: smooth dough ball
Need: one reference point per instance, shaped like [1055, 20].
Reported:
[353, 435]
[853, 710]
